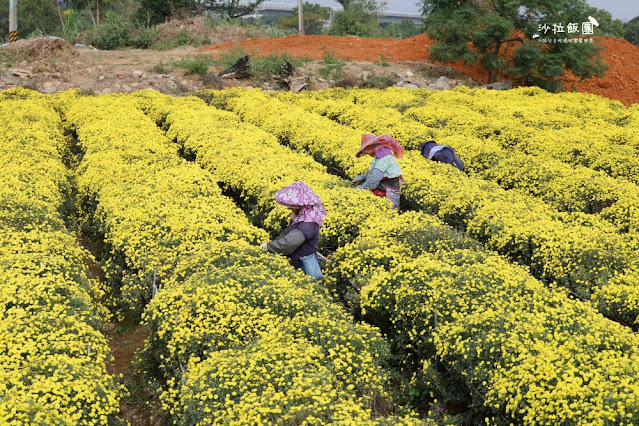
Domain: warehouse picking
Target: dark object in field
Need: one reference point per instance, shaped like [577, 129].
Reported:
[287, 69]
[292, 78]
[237, 70]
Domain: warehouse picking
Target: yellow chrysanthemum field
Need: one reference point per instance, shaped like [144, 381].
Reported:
[508, 294]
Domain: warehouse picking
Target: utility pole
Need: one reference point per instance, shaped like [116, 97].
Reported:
[300, 17]
[13, 20]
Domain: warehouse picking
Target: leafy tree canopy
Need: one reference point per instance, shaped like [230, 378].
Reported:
[492, 24]
[359, 18]
[34, 16]
[314, 17]
[157, 11]
[631, 31]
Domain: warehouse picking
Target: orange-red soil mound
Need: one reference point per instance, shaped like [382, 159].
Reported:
[621, 81]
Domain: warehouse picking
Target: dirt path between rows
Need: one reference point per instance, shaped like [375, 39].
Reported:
[124, 340]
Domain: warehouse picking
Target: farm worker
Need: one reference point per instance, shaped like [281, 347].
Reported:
[384, 176]
[441, 153]
[300, 240]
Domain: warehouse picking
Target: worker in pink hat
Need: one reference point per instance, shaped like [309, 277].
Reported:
[300, 240]
[384, 175]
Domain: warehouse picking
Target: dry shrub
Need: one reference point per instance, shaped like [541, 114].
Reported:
[198, 29]
[41, 48]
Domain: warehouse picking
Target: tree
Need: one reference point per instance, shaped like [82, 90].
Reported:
[34, 16]
[231, 8]
[158, 11]
[493, 24]
[404, 29]
[631, 31]
[359, 18]
[407, 28]
[96, 10]
[315, 16]
[608, 27]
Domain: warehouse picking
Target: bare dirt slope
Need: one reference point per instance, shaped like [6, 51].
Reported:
[99, 71]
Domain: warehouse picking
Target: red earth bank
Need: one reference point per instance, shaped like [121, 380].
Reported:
[621, 81]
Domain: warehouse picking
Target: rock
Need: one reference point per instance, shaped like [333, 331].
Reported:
[100, 67]
[49, 90]
[41, 68]
[365, 75]
[137, 74]
[406, 85]
[22, 72]
[126, 87]
[23, 64]
[47, 84]
[101, 78]
[135, 84]
[297, 83]
[500, 85]
[184, 82]
[106, 90]
[320, 84]
[420, 83]
[110, 327]
[442, 83]
[409, 74]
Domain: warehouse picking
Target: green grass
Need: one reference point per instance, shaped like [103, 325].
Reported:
[261, 68]
[161, 68]
[332, 64]
[382, 61]
[197, 65]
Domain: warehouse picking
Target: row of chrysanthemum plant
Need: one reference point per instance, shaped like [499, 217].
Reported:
[529, 354]
[237, 336]
[444, 301]
[563, 186]
[53, 357]
[527, 120]
[568, 250]
[575, 128]
[251, 164]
